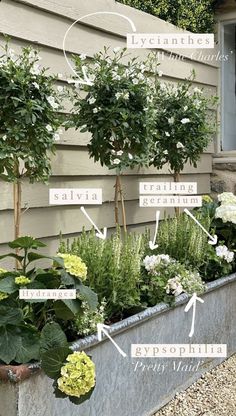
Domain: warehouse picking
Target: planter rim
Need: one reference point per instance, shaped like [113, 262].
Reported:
[121, 326]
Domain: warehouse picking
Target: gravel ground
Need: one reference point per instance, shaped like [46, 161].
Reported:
[214, 394]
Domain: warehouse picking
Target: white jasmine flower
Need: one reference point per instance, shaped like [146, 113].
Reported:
[95, 110]
[36, 85]
[92, 100]
[171, 120]
[83, 56]
[185, 108]
[180, 145]
[126, 96]
[117, 49]
[116, 161]
[49, 128]
[120, 153]
[185, 120]
[118, 95]
[167, 134]
[165, 152]
[130, 156]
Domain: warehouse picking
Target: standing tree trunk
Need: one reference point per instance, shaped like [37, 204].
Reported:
[17, 208]
[177, 179]
[119, 192]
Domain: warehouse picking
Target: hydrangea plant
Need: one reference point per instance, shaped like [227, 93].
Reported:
[29, 124]
[116, 111]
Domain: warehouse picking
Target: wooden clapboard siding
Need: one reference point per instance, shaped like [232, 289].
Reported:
[36, 195]
[42, 23]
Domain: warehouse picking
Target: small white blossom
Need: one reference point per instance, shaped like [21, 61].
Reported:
[224, 253]
[36, 85]
[167, 134]
[95, 110]
[35, 69]
[165, 152]
[185, 108]
[4, 137]
[171, 120]
[60, 76]
[92, 100]
[130, 156]
[49, 128]
[197, 103]
[180, 145]
[118, 95]
[120, 153]
[135, 81]
[126, 96]
[185, 120]
[116, 161]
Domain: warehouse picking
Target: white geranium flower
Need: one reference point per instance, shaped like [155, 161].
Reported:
[167, 134]
[95, 110]
[171, 120]
[116, 161]
[49, 128]
[83, 56]
[36, 85]
[180, 145]
[92, 100]
[185, 120]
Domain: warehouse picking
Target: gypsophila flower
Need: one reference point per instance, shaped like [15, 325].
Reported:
[74, 265]
[78, 375]
[22, 280]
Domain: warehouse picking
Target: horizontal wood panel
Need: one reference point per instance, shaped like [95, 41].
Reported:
[36, 195]
[68, 162]
[41, 27]
[115, 24]
[48, 222]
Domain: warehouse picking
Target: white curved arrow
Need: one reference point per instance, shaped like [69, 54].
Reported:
[86, 80]
[213, 239]
[152, 244]
[192, 303]
[101, 328]
[99, 234]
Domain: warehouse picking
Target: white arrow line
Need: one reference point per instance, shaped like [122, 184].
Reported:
[100, 329]
[152, 244]
[87, 81]
[213, 239]
[192, 303]
[99, 234]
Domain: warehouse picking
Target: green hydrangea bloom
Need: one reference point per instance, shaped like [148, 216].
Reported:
[74, 265]
[3, 295]
[78, 375]
[22, 280]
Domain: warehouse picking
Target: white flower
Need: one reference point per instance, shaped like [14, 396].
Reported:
[120, 153]
[171, 120]
[140, 76]
[56, 137]
[60, 88]
[116, 161]
[135, 81]
[36, 85]
[227, 198]
[150, 99]
[4, 137]
[49, 128]
[185, 120]
[83, 56]
[180, 145]
[92, 100]
[167, 134]
[197, 103]
[117, 49]
[165, 152]
[150, 262]
[126, 96]
[118, 95]
[95, 110]
[197, 90]
[174, 286]
[185, 108]
[227, 213]
[52, 102]
[130, 156]
[160, 73]
[224, 253]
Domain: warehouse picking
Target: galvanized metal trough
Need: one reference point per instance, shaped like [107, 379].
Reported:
[137, 386]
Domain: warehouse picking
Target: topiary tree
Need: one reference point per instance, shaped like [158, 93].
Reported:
[116, 111]
[194, 15]
[29, 124]
[183, 125]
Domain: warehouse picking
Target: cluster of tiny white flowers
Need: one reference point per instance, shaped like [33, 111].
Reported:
[150, 262]
[174, 286]
[224, 253]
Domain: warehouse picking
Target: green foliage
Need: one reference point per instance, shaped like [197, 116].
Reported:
[116, 110]
[29, 124]
[194, 15]
[183, 239]
[113, 268]
[183, 127]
